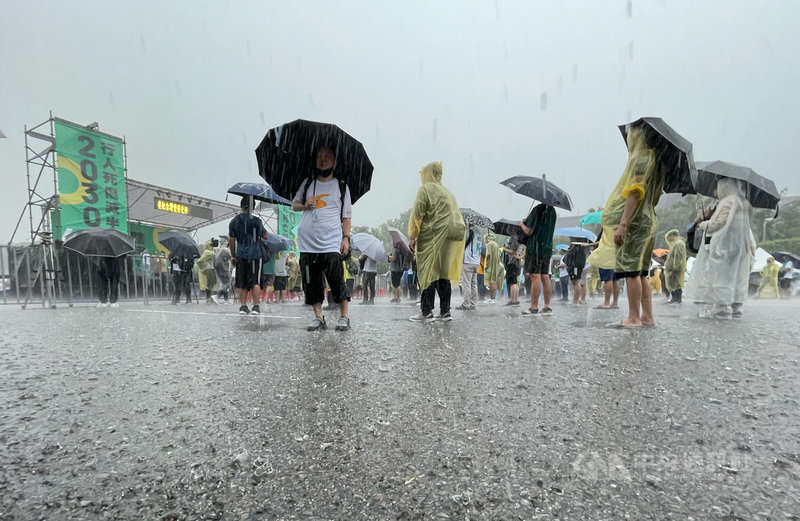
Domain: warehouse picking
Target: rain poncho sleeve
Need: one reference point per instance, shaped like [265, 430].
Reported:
[675, 265]
[439, 229]
[644, 176]
[206, 274]
[720, 274]
[768, 287]
[493, 265]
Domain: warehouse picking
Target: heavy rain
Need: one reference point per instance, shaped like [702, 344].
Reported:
[458, 260]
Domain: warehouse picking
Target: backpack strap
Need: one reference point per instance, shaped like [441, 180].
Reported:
[342, 190]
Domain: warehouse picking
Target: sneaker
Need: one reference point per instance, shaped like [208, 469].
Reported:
[114, 305]
[445, 317]
[490, 301]
[547, 311]
[343, 324]
[214, 299]
[102, 305]
[462, 307]
[255, 311]
[243, 310]
[317, 324]
[722, 314]
[421, 317]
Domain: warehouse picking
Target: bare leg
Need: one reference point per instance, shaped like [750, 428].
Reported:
[647, 303]
[547, 290]
[634, 285]
[344, 307]
[615, 301]
[536, 288]
[256, 294]
[576, 291]
[608, 287]
[492, 290]
[317, 308]
[513, 292]
[242, 297]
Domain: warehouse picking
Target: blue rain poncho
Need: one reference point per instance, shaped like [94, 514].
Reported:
[720, 274]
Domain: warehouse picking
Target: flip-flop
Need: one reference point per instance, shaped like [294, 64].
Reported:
[614, 307]
[601, 307]
[619, 325]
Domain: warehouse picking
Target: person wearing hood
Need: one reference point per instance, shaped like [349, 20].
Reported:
[295, 282]
[629, 226]
[206, 274]
[675, 266]
[493, 268]
[437, 236]
[721, 272]
[768, 286]
[222, 264]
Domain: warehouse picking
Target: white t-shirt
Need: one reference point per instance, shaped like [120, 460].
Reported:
[280, 264]
[320, 229]
[371, 265]
[472, 253]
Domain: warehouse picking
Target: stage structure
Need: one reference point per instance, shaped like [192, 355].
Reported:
[77, 178]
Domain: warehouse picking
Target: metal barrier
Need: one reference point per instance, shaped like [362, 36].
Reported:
[26, 277]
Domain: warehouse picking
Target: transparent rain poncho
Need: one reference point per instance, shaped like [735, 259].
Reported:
[206, 274]
[493, 266]
[768, 286]
[438, 227]
[643, 175]
[720, 274]
[294, 271]
[675, 265]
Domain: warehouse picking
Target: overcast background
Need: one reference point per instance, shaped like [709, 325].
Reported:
[490, 88]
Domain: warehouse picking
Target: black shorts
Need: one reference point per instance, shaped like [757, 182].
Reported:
[575, 273]
[537, 265]
[315, 268]
[512, 276]
[631, 274]
[281, 281]
[248, 272]
[397, 279]
[267, 281]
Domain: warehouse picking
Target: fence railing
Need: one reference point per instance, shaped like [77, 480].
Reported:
[46, 275]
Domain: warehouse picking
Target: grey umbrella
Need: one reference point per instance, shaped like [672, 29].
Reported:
[539, 189]
[478, 219]
[760, 191]
[100, 242]
[507, 227]
[674, 150]
[401, 241]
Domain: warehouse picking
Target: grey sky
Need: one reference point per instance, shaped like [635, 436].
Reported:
[194, 86]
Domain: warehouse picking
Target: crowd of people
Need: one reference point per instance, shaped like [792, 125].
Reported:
[443, 250]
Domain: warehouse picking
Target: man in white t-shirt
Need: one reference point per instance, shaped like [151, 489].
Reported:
[469, 270]
[368, 275]
[323, 238]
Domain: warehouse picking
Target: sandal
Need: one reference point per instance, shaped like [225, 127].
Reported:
[530, 312]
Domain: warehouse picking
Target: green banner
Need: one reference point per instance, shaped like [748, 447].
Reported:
[288, 221]
[91, 179]
[147, 237]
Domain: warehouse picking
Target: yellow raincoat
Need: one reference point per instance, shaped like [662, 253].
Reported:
[675, 265]
[645, 175]
[768, 287]
[294, 272]
[493, 266]
[206, 274]
[439, 229]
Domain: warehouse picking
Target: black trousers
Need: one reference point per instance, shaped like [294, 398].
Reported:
[109, 284]
[677, 295]
[315, 269]
[442, 287]
[369, 286]
[183, 284]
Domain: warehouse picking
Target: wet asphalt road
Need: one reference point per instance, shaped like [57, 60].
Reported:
[192, 412]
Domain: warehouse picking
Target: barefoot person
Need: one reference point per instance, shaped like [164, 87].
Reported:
[629, 227]
[538, 227]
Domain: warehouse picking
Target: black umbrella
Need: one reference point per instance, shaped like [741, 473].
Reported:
[760, 191]
[478, 219]
[674, 151]
[287, 156]
[179, 244]
[784, 256]
[507, 227]
[100, 242]
[540, 190]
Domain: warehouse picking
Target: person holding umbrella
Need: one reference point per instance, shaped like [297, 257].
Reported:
[538, 227]
[244, 232]
[721, 272]
[323, 238]
[108, 270]
[630, 225]
[436, 231]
